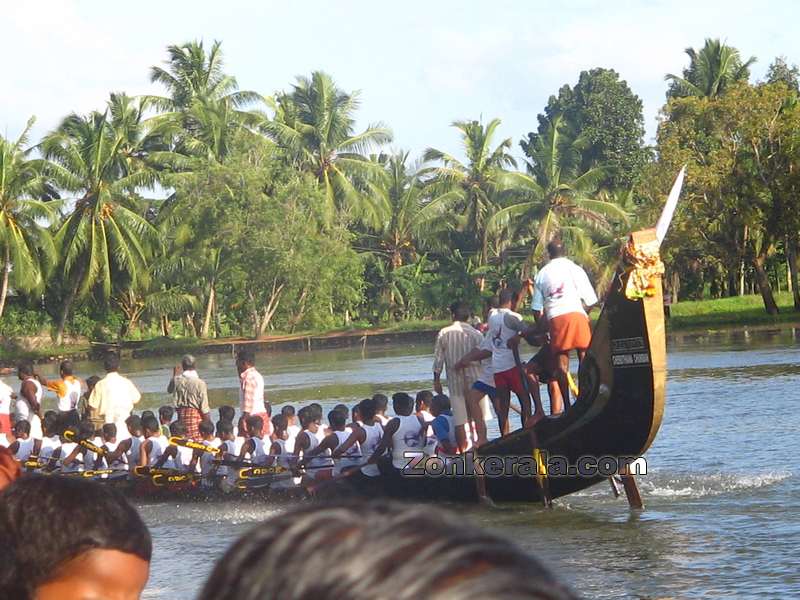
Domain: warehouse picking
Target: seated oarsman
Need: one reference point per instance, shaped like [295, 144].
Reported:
[292, 426]
[279, 453]
[112, 459]
[422, 408]
[366, 436]
[381, 405]
[315, 409]
[154, 443]
[175, 456]
[87, 432]
[22, 446]
[443, 425]
[253, 447]
[69, 455]
[202, 460]
[228, 452]
[165, 416]
[318, 467]
[50, 440]
[404, 435]
[350, 457]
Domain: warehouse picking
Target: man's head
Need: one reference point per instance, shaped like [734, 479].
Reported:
[337, 420]
[460, 311]
[109, 432]
[440, 404]
[177, 429]
[507, 297]
[342, 408]
[206, 429]
[555, 248]
[381, 403]
[403, 404]
[315, 410]
[305, 416]
[150, 425]
[226, 413]
[66, 368]
[287, 411]
[24, 370]
[255, 425]
[90, 542]
[50, 423]
[367, 409]
[280, 423]
[188, 363]
[134, 423]
[423, 400]
[91, 382]
[246, 359]
[225, 430]
[86, 430]
[22, 429]
[165, 414]
[111, 362]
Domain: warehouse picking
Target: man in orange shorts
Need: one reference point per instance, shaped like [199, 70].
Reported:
[563, 294]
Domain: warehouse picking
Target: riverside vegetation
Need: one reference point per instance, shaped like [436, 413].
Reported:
[211, 211]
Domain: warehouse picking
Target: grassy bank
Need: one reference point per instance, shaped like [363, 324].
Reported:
[700, 314]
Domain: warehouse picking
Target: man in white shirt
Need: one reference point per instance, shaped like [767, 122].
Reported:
[114, 397]
[506, 325]
[561, 291]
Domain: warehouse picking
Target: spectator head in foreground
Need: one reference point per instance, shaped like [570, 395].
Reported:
[102, 550]
[370, 551]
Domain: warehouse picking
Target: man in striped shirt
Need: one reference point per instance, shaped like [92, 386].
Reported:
[452, 343]
[251, 391]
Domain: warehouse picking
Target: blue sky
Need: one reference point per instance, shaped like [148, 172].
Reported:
[419, 65]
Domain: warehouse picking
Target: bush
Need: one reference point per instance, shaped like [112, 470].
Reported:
[18, 321]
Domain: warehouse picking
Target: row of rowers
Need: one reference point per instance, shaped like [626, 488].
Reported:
[359, 437]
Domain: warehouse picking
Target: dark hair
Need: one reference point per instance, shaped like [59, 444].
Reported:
[224, 428]
[441, 402]
[506, 296]
[492, 302]
[147, 413]
[337, 418]
[315, 410]
[246, 356]
[226, 413]
[280, 422]
[68, 420]
[381, 402]
[367, 409]
[66, 367]
[22, 427]
[402, 403]
[86, 429]
[92, 381]
[306, 417]
[255, 424]
[134, 423]
[111, 362]
[206, 427]
[177, 429]
[150, 423]
[70, 516]
[50, 423]
[342, 408]
[460, 311]
[555, 249]
[432, 555]
[165, 413]
[109, 430]
[25, 368]
[424, 397]
[287, 410]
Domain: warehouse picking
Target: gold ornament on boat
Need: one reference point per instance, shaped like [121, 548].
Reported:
[643, 267]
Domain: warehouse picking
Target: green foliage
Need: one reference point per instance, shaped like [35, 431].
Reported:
[19, 321]
[711, 70]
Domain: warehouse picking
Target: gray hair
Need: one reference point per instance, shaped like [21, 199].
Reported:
[188, 362]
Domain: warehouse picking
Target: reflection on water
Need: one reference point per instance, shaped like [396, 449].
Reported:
[723, 512]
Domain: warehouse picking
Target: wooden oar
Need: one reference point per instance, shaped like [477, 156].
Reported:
[69, 435]
[541, 474]
[186, 443]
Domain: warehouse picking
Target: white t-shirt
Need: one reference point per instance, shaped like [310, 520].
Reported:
[559, 288]
[487, 372]
[503, 325]
[5, 398]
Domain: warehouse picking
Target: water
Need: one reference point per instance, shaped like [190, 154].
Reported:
[723, 509]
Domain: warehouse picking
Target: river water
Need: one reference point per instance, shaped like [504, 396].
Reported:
[722, 514]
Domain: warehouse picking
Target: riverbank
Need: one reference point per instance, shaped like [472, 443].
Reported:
[700, 315]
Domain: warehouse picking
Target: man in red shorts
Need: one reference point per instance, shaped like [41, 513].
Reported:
[563, 294]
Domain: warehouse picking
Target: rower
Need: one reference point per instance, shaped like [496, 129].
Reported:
[381, 404]
[227, 445]
[253, 446]
[22, 447]
[69, 454]
[133, 444]
[444, 427]
[315, 409]
[279, 454]
[165, 415]
[51, 441]
[205, 460]
[87, 431]
[154, 443]
[112, 459]
[349, 457]
[292, 427]
[404, 434]
[318, 467]
[174, 456]
[368, 436]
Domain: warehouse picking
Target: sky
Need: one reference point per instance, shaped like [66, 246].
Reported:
[418, 65]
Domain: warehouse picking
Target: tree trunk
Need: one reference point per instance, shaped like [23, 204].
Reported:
[762, 281]
[741, 263]
[675, 286]
[65, 311]
[4, 285]
[209, 311]
[164, 325]
[792, 256]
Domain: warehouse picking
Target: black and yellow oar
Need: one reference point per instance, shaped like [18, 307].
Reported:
[186, 443]
[175, 479]
[145, 471]
[257, 472]
[71, 436]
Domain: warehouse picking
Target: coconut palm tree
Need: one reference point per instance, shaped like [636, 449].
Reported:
[26, 248]
[473, 189]
[711, 70]
[555, 197]
[105, 236]
[315, 124]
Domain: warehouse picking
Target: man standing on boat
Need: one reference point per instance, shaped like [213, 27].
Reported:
[251, 391]
[452, 343]
[114, 397]
[563, 294]
[191, 396]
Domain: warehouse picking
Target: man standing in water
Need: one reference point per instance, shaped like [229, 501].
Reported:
[114, 397]
[561, 291]
[452, 343]
[191, 396]
[29, 401]
[251, 390]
